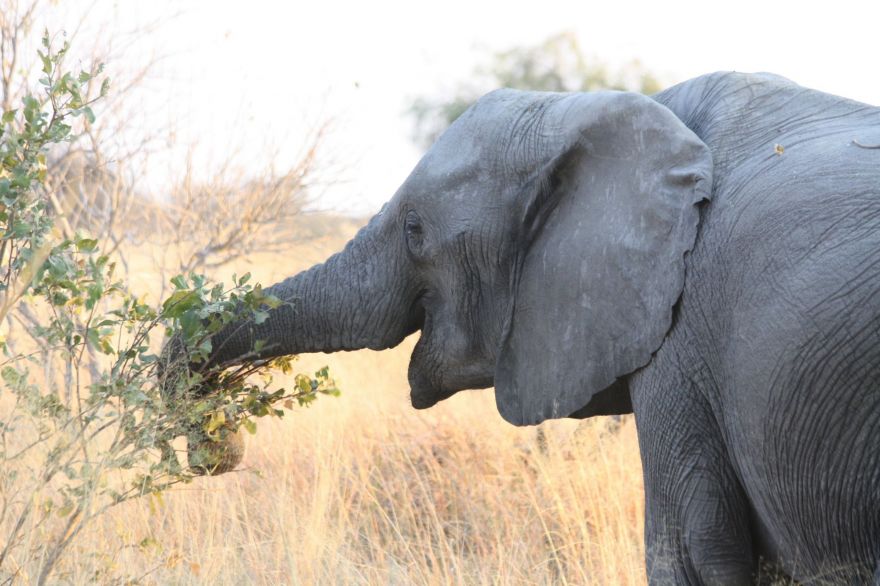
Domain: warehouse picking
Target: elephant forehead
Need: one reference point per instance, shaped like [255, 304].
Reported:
[454, 185]
[460, 163]
[459, 152]
[502, 136]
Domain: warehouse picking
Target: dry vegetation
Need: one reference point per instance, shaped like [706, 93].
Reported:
[356, 490]
[365, 490]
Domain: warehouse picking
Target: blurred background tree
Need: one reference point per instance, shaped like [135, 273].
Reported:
[98, 180]
[558, 64]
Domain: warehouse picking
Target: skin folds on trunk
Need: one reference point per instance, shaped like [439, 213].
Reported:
[354, 300]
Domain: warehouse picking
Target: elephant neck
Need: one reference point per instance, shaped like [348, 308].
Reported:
[739, 115]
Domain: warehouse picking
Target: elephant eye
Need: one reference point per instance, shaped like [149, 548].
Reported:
[412, 226]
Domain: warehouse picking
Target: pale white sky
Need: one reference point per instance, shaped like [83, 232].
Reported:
[248, 74]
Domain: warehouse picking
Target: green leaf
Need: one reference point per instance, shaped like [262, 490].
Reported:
[86, 244]
[205, 347]
[271, 301]
[218, 418]
[8, 116]
[95, 292]
[303, 383]
[179, 302]
[90, 116]
[10, 376]
[190, 323]
[30, 103]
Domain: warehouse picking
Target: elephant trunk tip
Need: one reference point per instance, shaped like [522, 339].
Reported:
[210, 457]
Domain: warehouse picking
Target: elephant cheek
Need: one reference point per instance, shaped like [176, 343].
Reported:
[213, 457]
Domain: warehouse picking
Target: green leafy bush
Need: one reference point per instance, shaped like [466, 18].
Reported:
[85, 420]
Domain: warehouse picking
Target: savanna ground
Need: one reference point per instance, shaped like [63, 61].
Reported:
[362, 489]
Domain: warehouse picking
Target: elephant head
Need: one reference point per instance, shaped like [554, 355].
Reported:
[539, 247]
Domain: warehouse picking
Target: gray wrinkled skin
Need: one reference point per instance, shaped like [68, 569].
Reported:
[709, 259]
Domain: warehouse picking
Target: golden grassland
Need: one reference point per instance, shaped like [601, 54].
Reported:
[363, 489]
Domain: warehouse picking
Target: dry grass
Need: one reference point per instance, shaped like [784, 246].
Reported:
[365, 490]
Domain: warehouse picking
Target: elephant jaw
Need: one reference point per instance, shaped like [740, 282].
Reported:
[423, 397]
[431, 376]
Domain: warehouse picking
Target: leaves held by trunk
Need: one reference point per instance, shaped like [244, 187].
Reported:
[221, 398]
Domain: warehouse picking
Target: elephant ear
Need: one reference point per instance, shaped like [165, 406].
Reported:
[604, 228]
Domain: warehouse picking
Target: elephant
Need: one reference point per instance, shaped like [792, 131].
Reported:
[707, 258]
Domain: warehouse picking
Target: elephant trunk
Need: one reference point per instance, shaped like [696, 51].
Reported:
[357, 299]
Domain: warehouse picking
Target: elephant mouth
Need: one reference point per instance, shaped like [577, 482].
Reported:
[424, 399]
[431, 379]
[424, 392]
